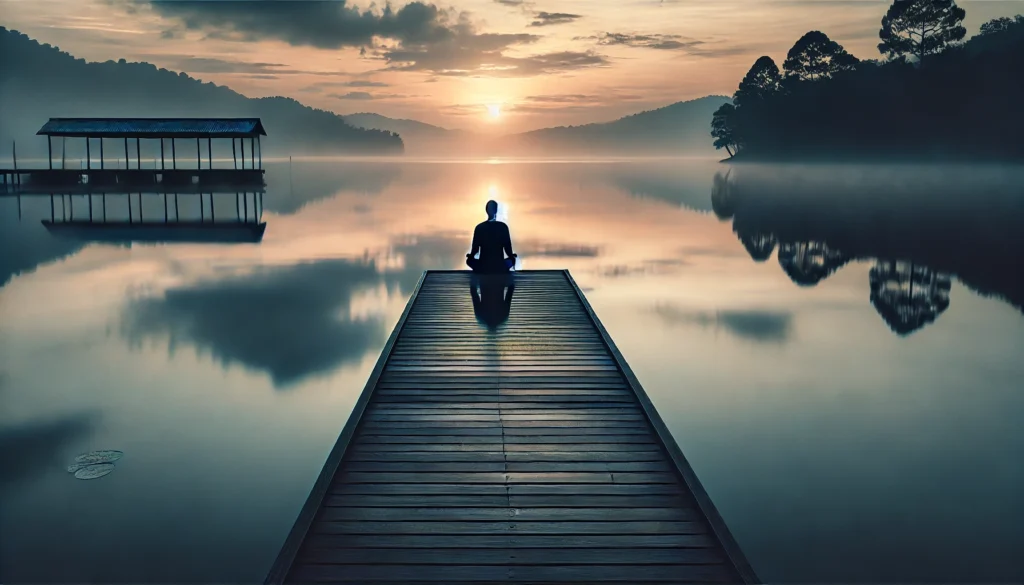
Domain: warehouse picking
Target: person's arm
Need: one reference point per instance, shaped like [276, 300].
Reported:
[475, 246]
[507, 244]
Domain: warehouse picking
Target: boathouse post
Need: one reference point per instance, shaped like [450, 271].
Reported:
[174, 160]
[127, 159]
[234, 158]
[241, 141]
[199, 156]
[209, 150]
[138, 154]
[245, 205]
[63, 151]
[88, 154]
[161, 153]
[49, 151]
[101, 153]
[252, 153]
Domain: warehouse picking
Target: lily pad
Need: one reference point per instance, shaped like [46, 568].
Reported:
[99, 457]
[94, 471]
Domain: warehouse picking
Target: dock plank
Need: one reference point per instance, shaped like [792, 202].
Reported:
[517, 448]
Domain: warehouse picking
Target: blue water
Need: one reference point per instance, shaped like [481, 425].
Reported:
[836, 350]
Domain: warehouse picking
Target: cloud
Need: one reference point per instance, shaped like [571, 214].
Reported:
[565, 103]
[363, 83]
[415, 37]
[353, 95]
[753, 324]
[321, 24]
[365, 95]
[574, 98]
[198, 65]
[511, 2]
[552, 18]
[470, 62]
[651, 41]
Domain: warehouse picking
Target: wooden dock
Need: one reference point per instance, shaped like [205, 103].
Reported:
[129, 180]
[501, 437]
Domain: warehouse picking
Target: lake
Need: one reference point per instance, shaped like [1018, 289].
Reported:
[837, 351]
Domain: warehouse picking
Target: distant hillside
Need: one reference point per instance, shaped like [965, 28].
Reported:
[38, 81]
[419, 137]
[679, 128]
[397, 125]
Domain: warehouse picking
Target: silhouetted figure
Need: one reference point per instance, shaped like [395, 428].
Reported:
[492, 240]
[491, 303]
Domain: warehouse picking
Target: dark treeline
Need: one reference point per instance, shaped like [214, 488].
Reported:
[918, 236]
[931, 96]
[39, 81]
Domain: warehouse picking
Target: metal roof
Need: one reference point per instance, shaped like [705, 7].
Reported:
[154, 127]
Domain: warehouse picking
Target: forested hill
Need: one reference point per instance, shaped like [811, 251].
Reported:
[936, 98]
[38, 81]
[679, 128]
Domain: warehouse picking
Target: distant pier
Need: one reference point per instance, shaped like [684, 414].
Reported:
[125, 136]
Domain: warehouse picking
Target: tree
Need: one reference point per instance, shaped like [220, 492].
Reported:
[815, 56]
[763, 80]
[998, 25]
[723, 128]
[920, 28]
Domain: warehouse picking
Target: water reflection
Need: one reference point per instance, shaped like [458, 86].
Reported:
[34, 448]
[811, 439]
[761, 326]
[917, 237]
[492, 298]
[290, 321]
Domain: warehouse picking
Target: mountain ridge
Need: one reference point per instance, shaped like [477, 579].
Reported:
[39, 81]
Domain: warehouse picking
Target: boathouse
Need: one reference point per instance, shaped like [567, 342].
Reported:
[124, 137]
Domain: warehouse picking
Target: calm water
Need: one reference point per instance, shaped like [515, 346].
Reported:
[837, 351]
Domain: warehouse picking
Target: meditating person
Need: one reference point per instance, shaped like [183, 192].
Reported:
[492, 240]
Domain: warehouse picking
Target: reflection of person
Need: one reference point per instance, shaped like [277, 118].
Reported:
[492, 304]
[492, 240]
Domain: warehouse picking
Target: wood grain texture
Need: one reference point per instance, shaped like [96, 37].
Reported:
[505, 446]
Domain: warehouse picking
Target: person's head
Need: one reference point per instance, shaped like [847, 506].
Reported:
[492, 209]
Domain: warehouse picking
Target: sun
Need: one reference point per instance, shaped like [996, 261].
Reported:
[494, 110]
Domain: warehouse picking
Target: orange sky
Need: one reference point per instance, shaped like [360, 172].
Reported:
[540, 62]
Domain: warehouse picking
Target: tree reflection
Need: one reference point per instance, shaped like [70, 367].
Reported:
[722, 196]
[759, 245]
[908, 295]
[918, 237]
[808, 263]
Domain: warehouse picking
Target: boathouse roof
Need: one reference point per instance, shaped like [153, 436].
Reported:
[154, 127]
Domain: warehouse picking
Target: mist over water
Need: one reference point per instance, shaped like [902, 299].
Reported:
[836, 349]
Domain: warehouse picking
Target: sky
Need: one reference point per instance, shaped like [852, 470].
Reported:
[489, 66]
